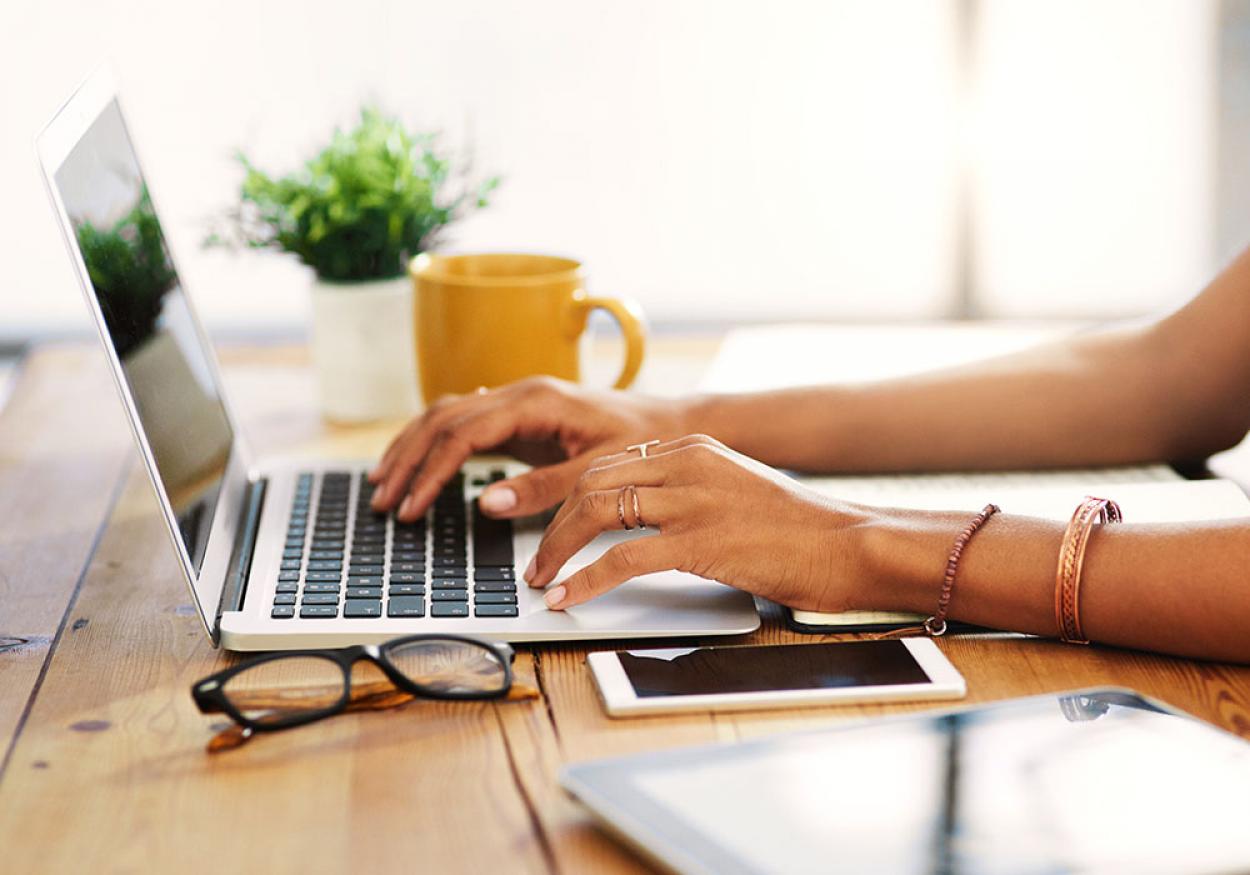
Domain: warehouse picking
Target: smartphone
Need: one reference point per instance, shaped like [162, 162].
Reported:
[659, 681]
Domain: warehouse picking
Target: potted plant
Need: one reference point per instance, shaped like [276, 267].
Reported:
[357, 213]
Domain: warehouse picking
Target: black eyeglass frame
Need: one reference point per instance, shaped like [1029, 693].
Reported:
[210, 696]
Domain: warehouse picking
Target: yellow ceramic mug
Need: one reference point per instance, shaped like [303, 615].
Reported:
[486, 320]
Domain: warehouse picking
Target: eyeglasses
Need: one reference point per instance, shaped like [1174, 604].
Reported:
[284, 690]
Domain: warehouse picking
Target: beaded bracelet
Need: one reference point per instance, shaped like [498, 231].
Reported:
[936, 625]
[1072, 562]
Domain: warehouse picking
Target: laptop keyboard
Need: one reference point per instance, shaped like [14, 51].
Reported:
[341, 559]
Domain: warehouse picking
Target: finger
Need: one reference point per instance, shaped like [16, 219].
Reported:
[660, 448]
[409, 459]
[455, 442]
[533, 491]
[626, 471]
[406, 452]
[596, 513]
[622, 562]
[657, 469]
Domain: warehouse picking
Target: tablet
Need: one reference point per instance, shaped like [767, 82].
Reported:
[657, 681]
[1095, 781]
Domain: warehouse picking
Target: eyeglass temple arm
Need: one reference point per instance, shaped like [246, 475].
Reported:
[327, 695]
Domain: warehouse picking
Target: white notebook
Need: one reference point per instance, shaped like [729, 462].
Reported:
[1146, 495]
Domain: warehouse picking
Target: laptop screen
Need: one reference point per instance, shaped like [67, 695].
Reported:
[164, 360]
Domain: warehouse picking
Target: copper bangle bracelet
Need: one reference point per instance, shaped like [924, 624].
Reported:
[1072, 562]
[936, 625]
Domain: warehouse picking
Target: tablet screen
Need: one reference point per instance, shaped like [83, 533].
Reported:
[1093, 783]
[709, 670]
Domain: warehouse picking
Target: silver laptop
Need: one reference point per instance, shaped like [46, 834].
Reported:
[288, 555]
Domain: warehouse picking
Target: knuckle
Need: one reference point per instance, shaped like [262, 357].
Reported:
[626, 556]
[596, 504]
[704, 439]
[539, 385]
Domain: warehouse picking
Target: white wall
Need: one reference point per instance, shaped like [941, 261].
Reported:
[717, 160]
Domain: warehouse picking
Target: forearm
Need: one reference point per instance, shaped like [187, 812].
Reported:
[1034, 409]
[1172, 390]
[1182, 589]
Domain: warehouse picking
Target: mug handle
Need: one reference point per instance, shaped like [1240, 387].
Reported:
[628, 316]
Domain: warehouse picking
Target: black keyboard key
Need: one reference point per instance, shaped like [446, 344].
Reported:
[321, 587]
[365, 580]
[443, 583]
[449, 609]
[288, 576]
[284, 598]
[449, 595]
[406, 577]
[290, 565]
[405, 606]
[323, 576]
[282, 612]
[495, 586]
[415, 567]
[481, 610]
[458, 573]
[287, 586]
[364, 592]
[328, 555]
[318, 612]
[361, 608]
[365, 566]
[293, 553]
[323, 565]
[320, 598]
[492, 573]
[408, 556]
[449, 562]
[406, 589]
[494, 598]
[492, 540]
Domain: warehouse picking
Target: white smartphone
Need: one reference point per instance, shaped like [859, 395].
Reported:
[658, 681]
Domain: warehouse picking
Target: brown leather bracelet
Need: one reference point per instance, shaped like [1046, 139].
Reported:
[1072, 562]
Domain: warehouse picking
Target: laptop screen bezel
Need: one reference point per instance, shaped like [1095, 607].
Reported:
[54, 146]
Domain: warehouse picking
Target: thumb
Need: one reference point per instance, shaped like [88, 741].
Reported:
[533, 491]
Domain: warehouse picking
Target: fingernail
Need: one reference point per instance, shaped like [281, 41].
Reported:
[498, 499]
[555, 596]
[406, 506]
[378, 495]
[531, 568]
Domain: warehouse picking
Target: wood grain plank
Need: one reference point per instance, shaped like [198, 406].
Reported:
[63, 449]
[111, 764]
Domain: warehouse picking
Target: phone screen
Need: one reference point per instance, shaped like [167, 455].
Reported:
[709, 670]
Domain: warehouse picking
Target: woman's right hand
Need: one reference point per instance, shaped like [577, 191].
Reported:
[558, 427]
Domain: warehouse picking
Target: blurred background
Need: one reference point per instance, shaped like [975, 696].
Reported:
[720, 162]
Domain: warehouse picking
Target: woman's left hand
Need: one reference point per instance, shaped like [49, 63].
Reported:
[721, 515]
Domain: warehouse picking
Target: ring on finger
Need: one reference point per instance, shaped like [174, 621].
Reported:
[620, 508]
[642, 448]
[633, 491]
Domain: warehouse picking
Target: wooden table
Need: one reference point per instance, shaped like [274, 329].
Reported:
[104, 765]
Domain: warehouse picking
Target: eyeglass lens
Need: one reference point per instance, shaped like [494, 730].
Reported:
[449, 667]
[281, 690]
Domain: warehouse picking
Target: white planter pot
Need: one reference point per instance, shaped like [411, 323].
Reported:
[363, 347]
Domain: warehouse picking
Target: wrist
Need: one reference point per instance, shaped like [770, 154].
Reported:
[903, 555]
[715, 415]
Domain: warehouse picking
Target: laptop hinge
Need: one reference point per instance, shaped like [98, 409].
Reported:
[235, 588]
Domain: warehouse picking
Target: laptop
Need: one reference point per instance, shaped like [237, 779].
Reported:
[280, 554]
